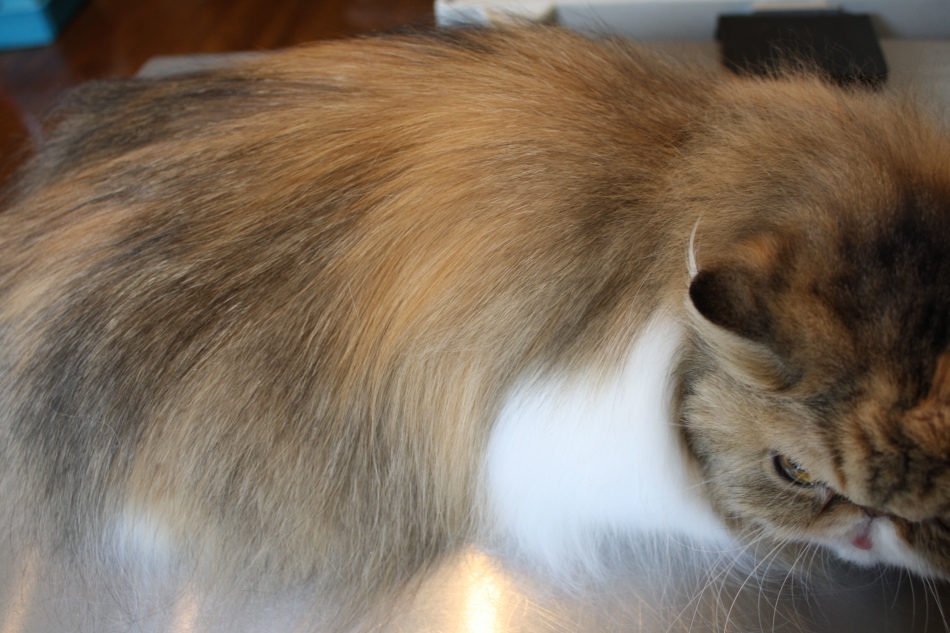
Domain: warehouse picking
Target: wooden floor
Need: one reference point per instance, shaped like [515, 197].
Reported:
[113, 38]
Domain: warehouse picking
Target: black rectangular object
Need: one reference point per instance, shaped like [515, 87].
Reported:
[841, 44]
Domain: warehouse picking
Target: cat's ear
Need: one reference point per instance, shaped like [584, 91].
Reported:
[736, 324]
[732, 298]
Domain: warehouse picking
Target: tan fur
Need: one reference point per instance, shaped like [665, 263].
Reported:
[276, 308]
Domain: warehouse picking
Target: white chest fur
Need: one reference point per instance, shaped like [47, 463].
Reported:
[570, 461]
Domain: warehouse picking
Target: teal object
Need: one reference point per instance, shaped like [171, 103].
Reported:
[29, 23]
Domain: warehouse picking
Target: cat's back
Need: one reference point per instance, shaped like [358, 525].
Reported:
[237, 308]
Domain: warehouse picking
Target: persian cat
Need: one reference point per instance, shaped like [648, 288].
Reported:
[325, 316]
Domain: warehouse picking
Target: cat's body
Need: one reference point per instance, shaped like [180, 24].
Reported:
[326, 316]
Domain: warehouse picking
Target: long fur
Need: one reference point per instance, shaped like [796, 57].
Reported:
[292, 322]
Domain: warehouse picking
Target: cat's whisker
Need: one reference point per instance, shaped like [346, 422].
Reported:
[927, 596]
[778, 594]
[930, 583]
[904, 579]
[913, 598]
[717, 571]
[813, 553]
[766, 560]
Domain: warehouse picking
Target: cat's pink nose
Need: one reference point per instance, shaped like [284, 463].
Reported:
[862, 541]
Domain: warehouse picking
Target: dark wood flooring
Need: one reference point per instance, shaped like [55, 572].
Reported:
[113, 38]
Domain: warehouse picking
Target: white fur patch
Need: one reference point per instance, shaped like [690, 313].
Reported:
[571, 461]
[887, 547]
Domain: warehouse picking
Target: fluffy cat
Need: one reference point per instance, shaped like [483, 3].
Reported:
[328, 315]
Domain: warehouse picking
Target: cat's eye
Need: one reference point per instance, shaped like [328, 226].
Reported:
[791, 471]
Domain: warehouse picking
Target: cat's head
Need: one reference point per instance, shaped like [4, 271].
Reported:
[817, 391]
